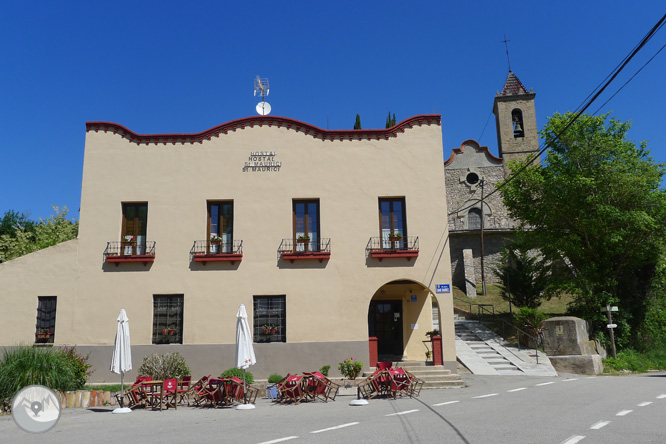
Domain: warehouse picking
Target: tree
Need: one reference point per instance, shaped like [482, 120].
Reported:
[29, 236]
[522, 279]
[390, 121]
[357, 125]
[596, 207]
[13, 219]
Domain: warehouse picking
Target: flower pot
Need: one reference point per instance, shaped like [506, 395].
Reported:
[395, 238]
[302, 240]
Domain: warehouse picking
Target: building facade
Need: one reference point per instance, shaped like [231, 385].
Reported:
[327, 237]
[472, 175]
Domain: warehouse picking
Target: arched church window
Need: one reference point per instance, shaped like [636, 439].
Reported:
[474, 219]
[517, 120]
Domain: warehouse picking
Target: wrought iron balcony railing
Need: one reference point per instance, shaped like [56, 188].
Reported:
[217, 251]
[124, 251]
[393, 247]
[299, 249]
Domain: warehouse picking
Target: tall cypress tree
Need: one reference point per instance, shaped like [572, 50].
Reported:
[390, 121]
[357, 125]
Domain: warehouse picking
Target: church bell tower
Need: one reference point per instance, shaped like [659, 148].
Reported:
[515, 118]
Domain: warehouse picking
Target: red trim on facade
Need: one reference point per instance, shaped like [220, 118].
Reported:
[145, 258]
[319, 255]
[233, 258]
[316, 132]
[473, 143]
[381, 254]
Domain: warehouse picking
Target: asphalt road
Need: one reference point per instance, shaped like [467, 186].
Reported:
[491, 409]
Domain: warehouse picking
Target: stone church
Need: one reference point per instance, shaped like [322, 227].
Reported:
[479, 223]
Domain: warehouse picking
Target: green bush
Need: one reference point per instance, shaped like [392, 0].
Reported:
[80, 366]
[25, 365]
[166, 366]
[635, 361]
[324, 370]
[531, 320]
[274, 378]
[237, 372]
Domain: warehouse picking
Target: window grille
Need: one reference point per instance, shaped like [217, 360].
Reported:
[270, 319]
[46, 316]
[168, 319]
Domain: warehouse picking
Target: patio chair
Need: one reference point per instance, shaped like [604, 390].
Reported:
[212, 393]
[135, 396]
[319, 386]
[292, 389]
[196, 390]
[166, 396]
[183, 389]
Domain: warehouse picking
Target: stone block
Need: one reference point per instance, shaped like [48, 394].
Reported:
[567, 335]
[578, 364]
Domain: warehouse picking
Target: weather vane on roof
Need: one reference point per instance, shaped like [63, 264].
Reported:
[261, 87]
[507, 51]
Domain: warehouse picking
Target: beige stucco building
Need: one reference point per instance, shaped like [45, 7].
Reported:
[295, 222]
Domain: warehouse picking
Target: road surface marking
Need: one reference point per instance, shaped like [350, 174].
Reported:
[279, 440]
[573, 440]
[643, 404]
[402, 413]
[661, 396]
[599, 425]
[545, 383]
[445, 403]
[485, 396]
[570, 379]
[335, 428]
[623, 412]
[518, 389]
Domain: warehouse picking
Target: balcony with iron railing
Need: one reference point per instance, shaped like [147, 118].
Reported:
[393, 247]
[129, 251]
[217, 251]
[305, 249]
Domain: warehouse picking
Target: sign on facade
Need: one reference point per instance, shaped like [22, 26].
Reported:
[443, 288]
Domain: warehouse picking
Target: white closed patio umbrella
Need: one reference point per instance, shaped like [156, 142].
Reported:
[121, 361]
[244, 349]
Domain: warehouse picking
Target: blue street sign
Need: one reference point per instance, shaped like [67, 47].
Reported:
[443, 288]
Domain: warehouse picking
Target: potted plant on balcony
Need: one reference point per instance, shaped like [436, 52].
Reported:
[215, 242]
[268, 328]
[395, 236]
[43, 333]
[303, 238]
[128, 243]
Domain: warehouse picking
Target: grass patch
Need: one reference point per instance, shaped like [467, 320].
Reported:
[554, 307]
[635, 361]
[109, 388]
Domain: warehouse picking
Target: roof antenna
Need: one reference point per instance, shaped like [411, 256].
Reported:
[261, 88]
[507, 51]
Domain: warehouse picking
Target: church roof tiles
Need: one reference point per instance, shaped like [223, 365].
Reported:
[513, 86]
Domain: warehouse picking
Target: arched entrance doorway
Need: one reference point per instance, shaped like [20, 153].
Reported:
[399, 315]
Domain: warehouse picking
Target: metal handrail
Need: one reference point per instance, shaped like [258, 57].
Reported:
[482, 310]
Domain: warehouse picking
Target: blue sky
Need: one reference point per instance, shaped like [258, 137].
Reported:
[168, 67]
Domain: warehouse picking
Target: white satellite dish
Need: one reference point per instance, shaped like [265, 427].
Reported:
[263, 108]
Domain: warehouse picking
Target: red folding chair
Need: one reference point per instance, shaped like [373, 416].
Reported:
[292, 389]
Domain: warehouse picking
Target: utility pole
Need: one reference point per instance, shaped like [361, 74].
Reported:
[483, 274]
